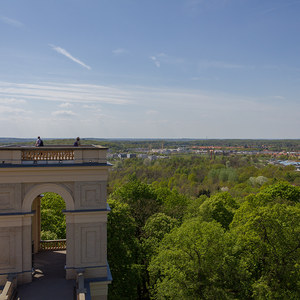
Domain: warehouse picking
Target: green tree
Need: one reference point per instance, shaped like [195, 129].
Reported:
[140, 197]
[48, 235]
[192, 209]
[283, 191]
[123, 251]
[154, 231]
[190, 263]
[53, 221]
[267, 235]
[220, 207]
[258, 181]
[172, 202]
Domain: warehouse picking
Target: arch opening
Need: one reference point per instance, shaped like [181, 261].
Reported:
[37, 190]
[48, 236]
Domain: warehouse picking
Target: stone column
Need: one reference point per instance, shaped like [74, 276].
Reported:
[36, 223]
[26, 275]
[15, 246]
[86, 243]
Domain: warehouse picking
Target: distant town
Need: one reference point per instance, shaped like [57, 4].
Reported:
[276, 157]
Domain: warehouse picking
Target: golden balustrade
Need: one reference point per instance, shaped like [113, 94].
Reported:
[51, 245]
[53, 154]
[47, 155]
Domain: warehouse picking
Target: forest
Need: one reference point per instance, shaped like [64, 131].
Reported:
[195, 227]
[190, 227]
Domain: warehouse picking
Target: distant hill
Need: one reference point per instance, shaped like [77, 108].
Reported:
[15, 140]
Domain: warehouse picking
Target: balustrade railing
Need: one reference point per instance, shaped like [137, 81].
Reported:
[52, 155]
[51, 245]
[47, 155]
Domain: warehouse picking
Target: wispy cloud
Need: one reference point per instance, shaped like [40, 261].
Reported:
[119, 51]
[11, 22]
[186, 112]
[164, 58]
[93, 108]
[4, 109]
[222, 65]
[203, 78]
[65, 105]
[278, 98]
[12, 101]
[68, 55]
[65, 93]
[151, 112]
[65, 113]
[172, 60]
[156, 61]
[90, 106]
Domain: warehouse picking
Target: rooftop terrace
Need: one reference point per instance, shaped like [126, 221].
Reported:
[52, 154]
[49, 279]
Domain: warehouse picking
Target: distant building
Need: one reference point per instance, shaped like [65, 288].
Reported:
[152, 157]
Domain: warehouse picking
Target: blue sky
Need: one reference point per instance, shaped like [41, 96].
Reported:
[150, 69]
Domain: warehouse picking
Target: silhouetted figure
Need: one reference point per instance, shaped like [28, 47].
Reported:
[39, 142]
[77, 142]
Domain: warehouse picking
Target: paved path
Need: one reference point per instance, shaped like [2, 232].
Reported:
[49, 281]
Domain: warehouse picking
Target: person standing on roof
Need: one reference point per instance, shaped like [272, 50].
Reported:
[77, 142]
[39, 142]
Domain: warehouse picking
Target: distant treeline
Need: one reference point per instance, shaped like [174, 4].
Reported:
[127, 144]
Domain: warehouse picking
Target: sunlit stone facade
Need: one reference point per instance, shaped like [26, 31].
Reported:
[79, 176]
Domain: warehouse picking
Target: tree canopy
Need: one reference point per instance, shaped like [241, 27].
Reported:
[206, 229]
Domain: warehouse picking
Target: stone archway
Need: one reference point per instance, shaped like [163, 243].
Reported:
[38, 189]
[77, 174]
[34, 198]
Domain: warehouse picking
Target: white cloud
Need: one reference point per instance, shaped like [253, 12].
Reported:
[140, 111]
[94, 108]
[119, 51]
[166, 59]
[204, 78]
[12, 110]
[65, 93]
[279, 98]
[156, 62]
[65, 105]
[12, 101]
[151, 112]
[222, 65]
[64, 113]
[90, 106]
[68, 55]
[11, 22]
